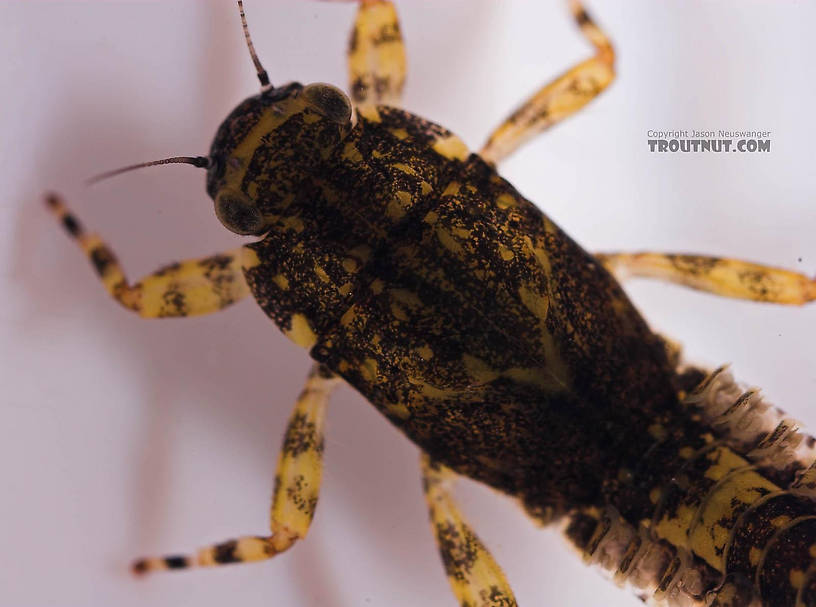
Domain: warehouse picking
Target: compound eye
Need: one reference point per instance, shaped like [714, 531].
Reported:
[238, 214]
[329, 101]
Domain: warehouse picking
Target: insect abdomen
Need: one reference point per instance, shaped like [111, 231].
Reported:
[736, 524]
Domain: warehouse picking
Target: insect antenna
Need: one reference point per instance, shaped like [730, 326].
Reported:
[262, 75]
[201, 162]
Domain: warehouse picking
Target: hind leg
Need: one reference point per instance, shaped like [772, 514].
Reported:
[297, 484]
[474, 576]
[558, 99]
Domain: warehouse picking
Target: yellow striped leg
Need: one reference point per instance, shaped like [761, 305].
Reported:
[558, 99]
[376, 55]
[475, 578]
[187, 288]
[718, 275]
[294, 499]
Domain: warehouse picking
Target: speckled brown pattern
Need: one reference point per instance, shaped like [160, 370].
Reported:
[412, 270]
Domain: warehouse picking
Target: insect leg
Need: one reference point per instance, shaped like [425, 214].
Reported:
[475, 577]
[718, 275]
[187, 288]
[558, 99]
[376, 55]
[297, 483]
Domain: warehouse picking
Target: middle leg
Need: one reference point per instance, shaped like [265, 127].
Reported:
[719, 275]
[297, 484]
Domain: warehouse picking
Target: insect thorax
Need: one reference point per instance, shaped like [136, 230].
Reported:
[410, 268]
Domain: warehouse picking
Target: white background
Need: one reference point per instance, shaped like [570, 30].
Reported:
[121, 437]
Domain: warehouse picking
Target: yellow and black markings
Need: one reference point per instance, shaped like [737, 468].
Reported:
[297, 486]
[410, 269]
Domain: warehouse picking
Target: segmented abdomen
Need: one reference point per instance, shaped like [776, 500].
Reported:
[736, 523]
